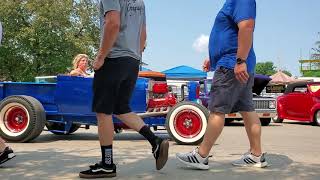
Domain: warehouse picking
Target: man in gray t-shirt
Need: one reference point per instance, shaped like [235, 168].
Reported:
[133, 20]
[123, 37]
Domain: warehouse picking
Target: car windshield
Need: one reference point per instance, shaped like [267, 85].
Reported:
[314, 88]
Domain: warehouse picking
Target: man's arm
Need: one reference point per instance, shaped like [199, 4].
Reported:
[111, 30]
[245, 38]
[143, 38]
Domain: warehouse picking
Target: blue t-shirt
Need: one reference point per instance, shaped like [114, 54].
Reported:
[223, 43]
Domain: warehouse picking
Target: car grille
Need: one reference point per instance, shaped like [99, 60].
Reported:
[261, 104]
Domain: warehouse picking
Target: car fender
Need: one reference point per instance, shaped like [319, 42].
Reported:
[314, 109]
[280, 107]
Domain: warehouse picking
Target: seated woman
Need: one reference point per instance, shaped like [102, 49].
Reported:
[80, 65]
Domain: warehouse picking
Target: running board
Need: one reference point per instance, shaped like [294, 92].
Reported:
[152, 114]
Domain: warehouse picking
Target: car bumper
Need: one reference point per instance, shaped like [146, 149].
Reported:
[261, 114]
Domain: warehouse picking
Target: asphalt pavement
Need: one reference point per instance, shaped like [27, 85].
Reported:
[292, 150]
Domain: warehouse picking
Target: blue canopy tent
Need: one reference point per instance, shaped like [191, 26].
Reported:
[185, 73]
[145, 69]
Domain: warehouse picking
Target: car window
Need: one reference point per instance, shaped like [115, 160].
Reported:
[314, 88]
[301, 89]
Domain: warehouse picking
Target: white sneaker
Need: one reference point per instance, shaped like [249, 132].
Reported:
[249, 160]
[194, 160]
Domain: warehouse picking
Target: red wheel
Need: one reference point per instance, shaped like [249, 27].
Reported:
[15, 119]
[316, 120]
[22, 118]
[187, 122]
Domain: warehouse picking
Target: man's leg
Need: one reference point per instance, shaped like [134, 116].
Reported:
[198, 158]
[5, 152]
[250, 118]
[255, 157]
[253, 129]
[214, 129]
[159, 147]
[252, 124]
[106, 168]
[125, 114]
[132, 120]
[223, 95]
[105, 131]
[2, 145]
[105, 87]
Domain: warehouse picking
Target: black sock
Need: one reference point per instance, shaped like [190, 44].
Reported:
[149, 135]
[107, 157]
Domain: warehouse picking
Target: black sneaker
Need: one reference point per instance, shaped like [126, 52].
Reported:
[6, 155]
[99, 171]
[160, 153]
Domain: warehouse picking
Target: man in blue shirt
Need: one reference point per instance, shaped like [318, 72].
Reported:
[233, 59]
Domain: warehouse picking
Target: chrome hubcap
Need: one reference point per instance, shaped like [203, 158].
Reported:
[188, 123]
[19, 119]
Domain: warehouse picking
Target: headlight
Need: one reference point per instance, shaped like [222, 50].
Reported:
[272, 104]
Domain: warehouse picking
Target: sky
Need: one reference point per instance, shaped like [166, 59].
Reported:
[178, 30]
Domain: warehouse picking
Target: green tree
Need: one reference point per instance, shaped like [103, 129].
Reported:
[311, 74]
[265, 68]
[41, 37]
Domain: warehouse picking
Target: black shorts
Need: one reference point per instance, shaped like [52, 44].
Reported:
[113, 85]
[228, 95]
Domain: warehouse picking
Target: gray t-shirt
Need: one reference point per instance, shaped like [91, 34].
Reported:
[133, 18]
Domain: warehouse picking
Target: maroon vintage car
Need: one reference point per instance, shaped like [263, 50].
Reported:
[300, 102]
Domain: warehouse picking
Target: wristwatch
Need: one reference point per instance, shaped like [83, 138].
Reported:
[240, 61]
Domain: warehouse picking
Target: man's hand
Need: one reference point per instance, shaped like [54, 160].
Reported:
[241, 73]
[98, 63]
[206, 65]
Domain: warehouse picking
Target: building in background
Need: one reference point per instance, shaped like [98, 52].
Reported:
[310, 68]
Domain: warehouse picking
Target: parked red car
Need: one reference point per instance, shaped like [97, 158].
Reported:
[301, 102]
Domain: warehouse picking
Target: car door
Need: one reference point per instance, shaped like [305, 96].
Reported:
[299, 104]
